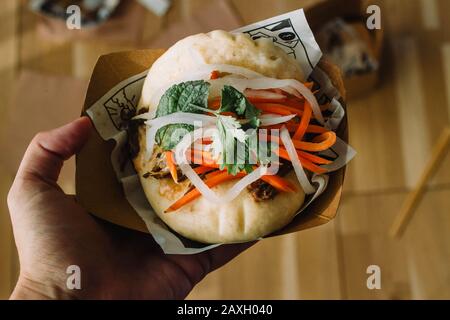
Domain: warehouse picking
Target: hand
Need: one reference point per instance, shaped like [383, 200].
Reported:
[53, 232]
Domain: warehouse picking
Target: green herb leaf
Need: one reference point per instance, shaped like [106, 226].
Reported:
[234, 141]
[182, 97]
[235, 101]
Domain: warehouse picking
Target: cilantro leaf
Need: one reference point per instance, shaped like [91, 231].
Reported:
[234, 145]
[234, 142]
[182, 97]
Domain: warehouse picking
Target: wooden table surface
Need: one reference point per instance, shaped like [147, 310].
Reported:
[393, 130]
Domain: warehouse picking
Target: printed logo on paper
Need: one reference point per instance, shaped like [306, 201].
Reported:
[121, 107]
[282, 34]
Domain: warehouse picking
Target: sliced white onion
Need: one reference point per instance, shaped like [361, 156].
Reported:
[263, 94]
[203, 72]
[185, 167]
[155, 124]
[272, 120]
[291, 91]
[291, 86]
[270, 83]
[298, 168]
[228, 68]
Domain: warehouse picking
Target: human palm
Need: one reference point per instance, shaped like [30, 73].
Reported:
[52, 232]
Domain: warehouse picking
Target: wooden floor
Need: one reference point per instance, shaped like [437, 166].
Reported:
[393, 130]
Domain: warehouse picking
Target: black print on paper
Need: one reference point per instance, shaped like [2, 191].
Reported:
[282, 34]
[121, 107]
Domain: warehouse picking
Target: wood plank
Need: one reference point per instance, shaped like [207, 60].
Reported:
[427, 243]
[302, 265]
[39, 54]
[84, 56]
[374, 133]
[8, 69]
[7, 274]
[364, 221]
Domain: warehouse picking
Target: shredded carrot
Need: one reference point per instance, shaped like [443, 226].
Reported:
[172, 166]
[214, 103]
[214, 75]
[313, 158]
[312, 128]
[279, 183]
[210, 182]
[203, 169]
[202, 158]
[322, 142]
[305, 162]
[214, 173]
[306, 117]
[265, 100]
[295, 102]
[309, 85]
[293, 126]
[278, 109]
[326, 141]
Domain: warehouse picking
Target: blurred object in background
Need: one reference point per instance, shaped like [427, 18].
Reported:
[341, 31]
[346, 46]
[117, 21]
[93, 12]
[158, 7]
[40, 102]
[204, 20]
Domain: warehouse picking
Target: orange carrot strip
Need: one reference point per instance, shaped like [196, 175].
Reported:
[305, 163]
[306, 117]
[172, 166]
[214, 103]
[214, 75]
[312, 128]
[265, 100]
[292, 127]
[295, 103]
[203, 169]
[214, 173]
[194, 193]
[206, 141]
[313, 158]
[278, 109]
[309, 85]
[202, 157]
[279, 183]
[326, 140]
[322, 142]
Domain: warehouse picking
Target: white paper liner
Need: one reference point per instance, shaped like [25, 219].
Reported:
[106, 116]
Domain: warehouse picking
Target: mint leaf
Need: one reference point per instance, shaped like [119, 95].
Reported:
[183, 97]
[235, 101]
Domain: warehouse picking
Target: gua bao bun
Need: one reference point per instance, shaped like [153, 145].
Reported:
[244, 218]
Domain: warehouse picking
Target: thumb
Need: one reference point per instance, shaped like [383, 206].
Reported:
[47, 151]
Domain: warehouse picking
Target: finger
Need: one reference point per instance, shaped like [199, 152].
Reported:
[199, 265]
[47, 151]
[224, 253]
